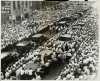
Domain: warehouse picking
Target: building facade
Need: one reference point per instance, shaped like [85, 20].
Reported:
[5, 11]
[14, 10]
[18, 10]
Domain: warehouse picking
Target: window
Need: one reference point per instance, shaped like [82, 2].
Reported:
[18, 4]
[3, 3]
[14, 5]
[26, 4]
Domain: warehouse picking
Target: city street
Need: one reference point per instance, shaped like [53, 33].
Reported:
[58, 41]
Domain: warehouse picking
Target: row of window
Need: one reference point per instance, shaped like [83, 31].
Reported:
[5, 12]
[16, 4]
[19, 4]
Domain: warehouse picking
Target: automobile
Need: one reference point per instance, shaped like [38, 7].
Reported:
[76, 27]
[38, 38]
[24, 46]
[8, 58]
[77, 15]
[9, 47]
[4, 54]
[65, 37]
[80, 24]
[80, 13]
[63, 21]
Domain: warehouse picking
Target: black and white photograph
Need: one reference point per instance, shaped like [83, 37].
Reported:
[49, 40]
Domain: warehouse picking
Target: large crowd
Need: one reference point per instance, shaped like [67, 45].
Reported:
[83, 64]
[39, 18]
[79, 55]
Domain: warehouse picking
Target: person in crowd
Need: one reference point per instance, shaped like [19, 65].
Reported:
[47, 64]
[38, 77]
[36, 58]
[54, 56]
[7, 75]
[12, 78]
[2, 76]
[30, 72]
[18, 74]
[41, 71]
[92, 68]
[22, 72]
[59, 78]
[86, 70]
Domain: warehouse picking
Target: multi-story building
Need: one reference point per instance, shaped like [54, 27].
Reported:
[14, 10]
[17, 10]
[5, 11]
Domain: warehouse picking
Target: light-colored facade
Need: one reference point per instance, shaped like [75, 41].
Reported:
[14, 9]
[5, 11]
[19, 9]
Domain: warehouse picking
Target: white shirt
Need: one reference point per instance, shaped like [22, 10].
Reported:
[22, 72]
[59, 78]
[26, 71]
[47, 64]
[30, 72]
[38, 78]
[17, 72]
[7, 74]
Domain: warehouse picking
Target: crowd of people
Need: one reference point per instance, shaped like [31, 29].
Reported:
[14, 32]
[82, 65]
[79, 55]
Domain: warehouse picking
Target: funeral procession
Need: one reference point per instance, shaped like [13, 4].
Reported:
[49, 40]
